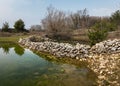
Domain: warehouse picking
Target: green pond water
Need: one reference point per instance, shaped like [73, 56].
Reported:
[22, 67]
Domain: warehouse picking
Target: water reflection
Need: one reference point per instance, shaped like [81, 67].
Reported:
[6, 49]
[7, 45]
[34, 70]
[19, 50]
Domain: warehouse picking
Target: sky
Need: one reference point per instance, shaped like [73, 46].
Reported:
[33, 11]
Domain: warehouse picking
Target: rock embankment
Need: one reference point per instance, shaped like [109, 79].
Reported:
[107, 67]
[107, 47]
[57, 49]
[67, 50]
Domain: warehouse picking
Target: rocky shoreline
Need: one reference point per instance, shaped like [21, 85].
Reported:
[103, 58]
[107, 67]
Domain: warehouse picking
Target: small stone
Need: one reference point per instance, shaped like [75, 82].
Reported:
[77, 58]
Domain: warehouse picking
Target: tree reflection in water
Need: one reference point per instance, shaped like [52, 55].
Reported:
[7, 45]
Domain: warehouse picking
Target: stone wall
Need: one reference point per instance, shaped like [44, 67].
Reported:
[74, 51]
[57, 49]
[108, 47]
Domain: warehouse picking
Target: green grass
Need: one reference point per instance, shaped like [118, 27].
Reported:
[12, 38]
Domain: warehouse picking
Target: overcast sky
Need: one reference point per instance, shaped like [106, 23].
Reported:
[32, 11]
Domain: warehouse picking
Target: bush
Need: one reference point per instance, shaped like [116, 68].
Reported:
[19, 25]
[97, 34]
[115, 17]
[111, 26]
[5, 27]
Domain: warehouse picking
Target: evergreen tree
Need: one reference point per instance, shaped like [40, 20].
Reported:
[19, 25]
[5, 27]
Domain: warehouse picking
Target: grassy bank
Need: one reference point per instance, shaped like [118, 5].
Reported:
[12, 38]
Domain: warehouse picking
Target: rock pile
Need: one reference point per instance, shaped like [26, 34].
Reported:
[107, 47]
[68, 50]
[107, 67]
[58, 49]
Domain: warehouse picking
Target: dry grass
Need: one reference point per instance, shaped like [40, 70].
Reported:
[6, 34]
[81, 35]
[13, 37]
[114, 34]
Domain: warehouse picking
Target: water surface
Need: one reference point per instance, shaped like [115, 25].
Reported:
[22, 67]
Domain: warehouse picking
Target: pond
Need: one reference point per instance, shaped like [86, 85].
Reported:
[22, 67]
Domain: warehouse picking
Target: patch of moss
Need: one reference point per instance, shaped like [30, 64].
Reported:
[49, 57]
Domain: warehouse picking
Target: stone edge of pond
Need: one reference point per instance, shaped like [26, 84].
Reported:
[81, 62]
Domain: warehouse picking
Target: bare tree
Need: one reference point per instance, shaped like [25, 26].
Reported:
[80, 19]
[93, 20]
[55, 23]
[35, 28]
[5, 27]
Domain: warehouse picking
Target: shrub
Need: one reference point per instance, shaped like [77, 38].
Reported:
[5, 27]
[111, 26]
[97, 34]
[19, 25]
[115, 17]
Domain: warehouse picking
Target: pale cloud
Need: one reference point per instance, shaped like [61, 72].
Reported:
[102, 11]
[6, 7]
[6, 11]
[12, 10]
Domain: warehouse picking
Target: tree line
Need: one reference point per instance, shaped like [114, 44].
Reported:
[19, 26]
